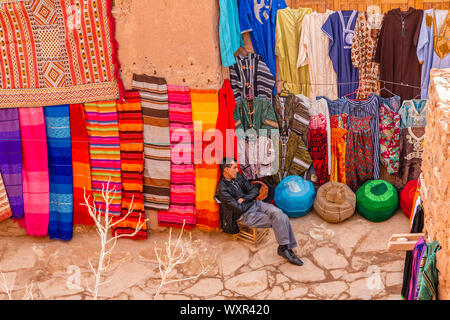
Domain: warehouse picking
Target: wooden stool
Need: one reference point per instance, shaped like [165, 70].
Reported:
[250, 235]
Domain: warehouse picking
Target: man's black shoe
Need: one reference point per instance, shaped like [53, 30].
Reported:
[289, 255]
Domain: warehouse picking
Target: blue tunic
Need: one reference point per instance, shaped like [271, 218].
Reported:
[229, 32]
[339, 29]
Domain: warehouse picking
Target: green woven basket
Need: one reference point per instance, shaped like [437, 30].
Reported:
[376, 200]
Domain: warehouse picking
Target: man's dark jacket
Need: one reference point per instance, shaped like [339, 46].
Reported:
[228, 193]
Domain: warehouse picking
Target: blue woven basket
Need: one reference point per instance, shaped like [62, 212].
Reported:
[295, 196]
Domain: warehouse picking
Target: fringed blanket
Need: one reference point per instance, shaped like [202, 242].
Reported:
[5, 208]
[205, 107]
[57, 123]
[57, 52]
[182, 174]
[36, 197]
[11, 159]
[155, 111]
[132, 163]
[104, 150]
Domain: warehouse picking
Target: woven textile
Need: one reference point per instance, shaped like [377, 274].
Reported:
[57, 123]
[182, 172]
[11, 159]
[81, 167]
[57, 52]
[104, 151]
[155, 111]
[36, 196]
[317, 147]
[205, 107]
[5, 208]
[132, 164]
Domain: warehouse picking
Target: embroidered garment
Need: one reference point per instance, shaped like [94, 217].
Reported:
[205, 108]
[250, 75]
[410, 155]
[389, 139]
[129, 116]
[318, 122]
[259, 17]
[397, 52]
[428, 280]
[339, 28]
[81, 167]
[413, 113]
[394, 102]
[433, 47]
[5, 208]
[57, 52]
[104, 151]
[339, 121]
[11, 159]
[287, 37]
[155, 113]
[317, 147]
[182, 171]
[57, 123]
[36, 195]
[229, 31]
[359, 152]
[365, 41]
[338, 150]
[313, 51]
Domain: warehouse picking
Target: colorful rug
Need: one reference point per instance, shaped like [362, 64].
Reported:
[58, 52]
[132, 164]
[205, 107]
[36, 195]
[57, 123]
[81, 168]
[104, 151]
[155, 111]
[5, 208]
[182, 173]
[11, 159]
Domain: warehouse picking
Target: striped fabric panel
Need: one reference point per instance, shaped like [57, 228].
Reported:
[5, 208]
[104, 152]
[132, 163]
[155, 111]
[81, 167]
[57, 123]
[11, 159]
[182, 180]
[35, 179]
[205, 107]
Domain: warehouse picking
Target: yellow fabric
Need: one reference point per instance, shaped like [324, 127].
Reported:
[287, 39]
[338, 155]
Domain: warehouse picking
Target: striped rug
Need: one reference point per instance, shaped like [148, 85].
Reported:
[57, 123]
[36, 195]
[182, 179]
[155, 111]
[11, 159]
[104, 151]
[5, 208]
[80, 165]
[132, 164]
[205, 108]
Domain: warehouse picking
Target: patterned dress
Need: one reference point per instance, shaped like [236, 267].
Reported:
[389, 139]
[338, 147]
[317, 147]
[359, 152]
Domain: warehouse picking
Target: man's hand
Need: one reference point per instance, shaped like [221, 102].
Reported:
[241, 200]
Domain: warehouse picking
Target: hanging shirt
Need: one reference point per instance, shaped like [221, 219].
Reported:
[397, 52]
[365, 41]
[250, 75]
[229, 31]
[339, 28]
[259, 17]
[433, 47]
[337, 106]
[287, 37]
[413, 113]
[313, 51]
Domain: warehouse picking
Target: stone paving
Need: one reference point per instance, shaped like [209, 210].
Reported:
[341, 261]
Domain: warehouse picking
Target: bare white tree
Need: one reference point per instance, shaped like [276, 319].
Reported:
[104, 223]
[8, 289]
[175, 254]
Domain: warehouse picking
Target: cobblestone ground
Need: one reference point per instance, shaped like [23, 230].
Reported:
[341, 261]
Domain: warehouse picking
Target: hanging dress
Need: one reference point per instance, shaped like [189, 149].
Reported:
[338, 147]
[389, 139]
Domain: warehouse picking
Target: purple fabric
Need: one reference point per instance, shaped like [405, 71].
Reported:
[11, 159]
[418, 252]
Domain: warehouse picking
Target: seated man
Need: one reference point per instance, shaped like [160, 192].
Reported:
[238, 202]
